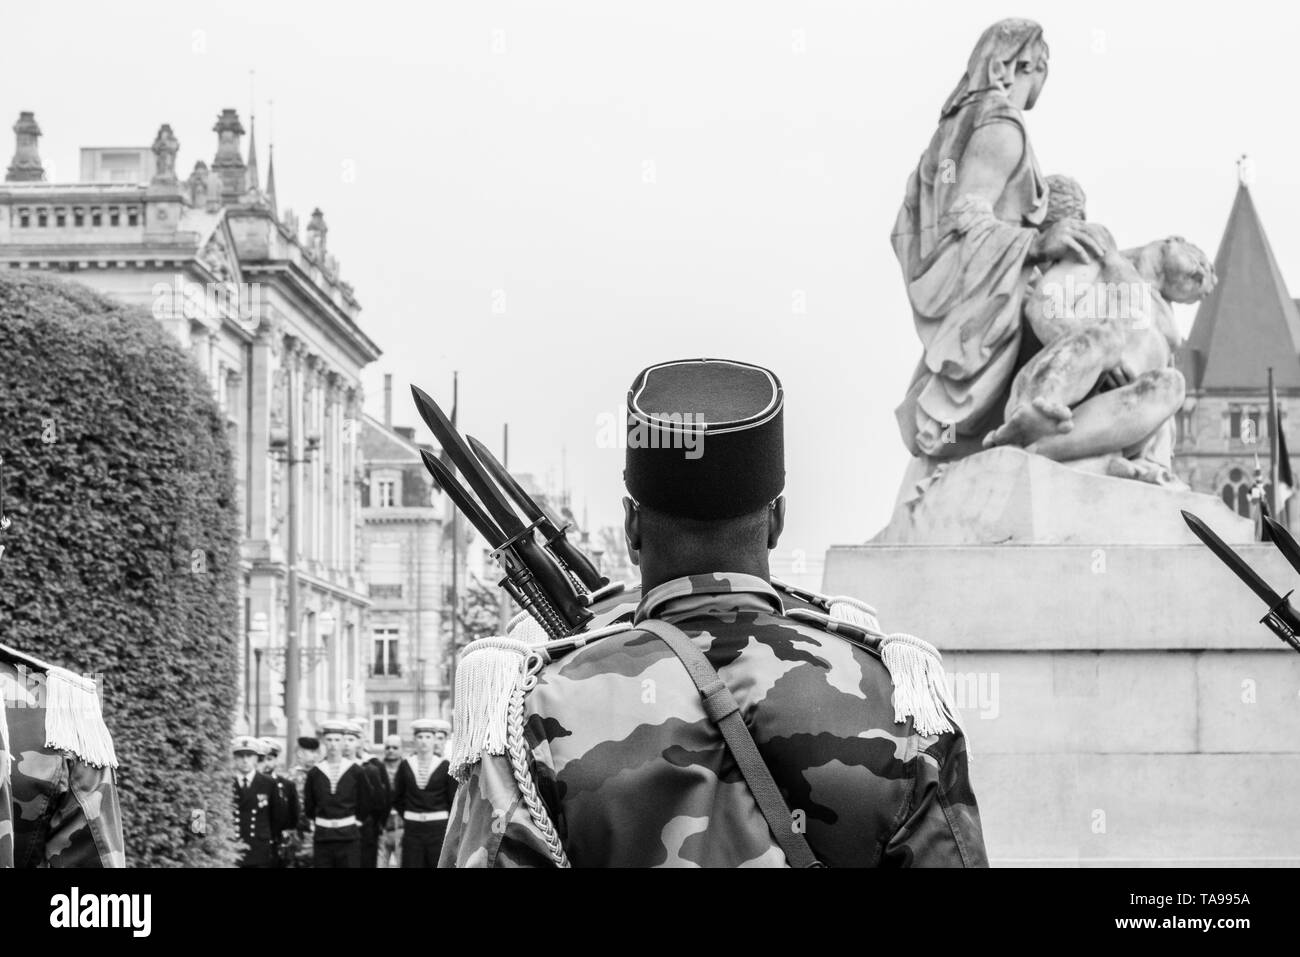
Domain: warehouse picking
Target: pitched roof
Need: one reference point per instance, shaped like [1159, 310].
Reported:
[1249, 322]
[379, 443]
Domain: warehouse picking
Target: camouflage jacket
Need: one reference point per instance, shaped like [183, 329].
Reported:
[57, 810]
[634, 774]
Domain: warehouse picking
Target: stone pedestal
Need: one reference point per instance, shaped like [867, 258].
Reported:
[1122, 703]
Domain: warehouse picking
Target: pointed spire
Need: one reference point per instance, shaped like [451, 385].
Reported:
[270, 181]
[254, 184]
[1249, 322]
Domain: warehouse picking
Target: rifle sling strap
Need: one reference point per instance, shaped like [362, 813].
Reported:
[721, 707]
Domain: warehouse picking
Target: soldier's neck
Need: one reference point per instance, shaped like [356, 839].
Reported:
[655, 573]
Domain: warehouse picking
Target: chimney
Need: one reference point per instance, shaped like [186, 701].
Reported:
[316, 232]
[26, 166]
[229, 162]
[388, 400]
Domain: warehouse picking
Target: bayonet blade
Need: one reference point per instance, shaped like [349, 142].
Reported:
[462, 499]
[498, 506]
[1285, 542]
[553, 532]
[1232, 560]
[527, 504]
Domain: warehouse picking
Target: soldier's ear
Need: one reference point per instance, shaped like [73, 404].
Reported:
[632, 530]
[775, 522]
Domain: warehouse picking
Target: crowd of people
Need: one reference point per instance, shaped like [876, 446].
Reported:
[344, 808]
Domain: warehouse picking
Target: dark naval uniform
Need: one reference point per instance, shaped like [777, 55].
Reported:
[625, 759]
[261, 817]
[424, 810]
[337, 812]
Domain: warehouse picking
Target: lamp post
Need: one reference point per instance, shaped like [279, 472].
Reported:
[257, 691]
[284, 448]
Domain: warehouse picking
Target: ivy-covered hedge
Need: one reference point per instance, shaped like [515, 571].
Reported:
[123, 555]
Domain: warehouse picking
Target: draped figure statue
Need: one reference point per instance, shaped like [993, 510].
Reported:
[968, 241]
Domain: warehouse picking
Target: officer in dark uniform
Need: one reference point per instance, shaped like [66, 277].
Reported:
[288, 792]
[717, 728]
[259, 812]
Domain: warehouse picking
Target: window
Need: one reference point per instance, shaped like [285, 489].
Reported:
[60, 216]
[96, 216]
[383, 720]
[385, 493]
[133, 216]
[114, 216]
[42, 217]
[78, 216]
[1236, 492]
[24, 218]
[387, 663]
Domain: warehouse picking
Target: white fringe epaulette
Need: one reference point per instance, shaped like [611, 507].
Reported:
[74, 721]
[487, 673]
[915, 667]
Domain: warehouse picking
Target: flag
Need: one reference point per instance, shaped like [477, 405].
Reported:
[1285, 484]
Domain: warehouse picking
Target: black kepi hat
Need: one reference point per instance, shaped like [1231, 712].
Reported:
[705, 438]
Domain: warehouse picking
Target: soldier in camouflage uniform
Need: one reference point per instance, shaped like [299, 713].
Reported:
[619, 763]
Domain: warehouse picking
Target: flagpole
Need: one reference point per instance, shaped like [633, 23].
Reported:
[1272, 444]
[455, 560]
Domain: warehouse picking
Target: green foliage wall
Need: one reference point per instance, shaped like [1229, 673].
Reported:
[123, 556]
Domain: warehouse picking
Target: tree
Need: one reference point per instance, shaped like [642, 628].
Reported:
[123, 559]
[480, 610]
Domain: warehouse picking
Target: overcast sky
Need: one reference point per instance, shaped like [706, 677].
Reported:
[549, 196]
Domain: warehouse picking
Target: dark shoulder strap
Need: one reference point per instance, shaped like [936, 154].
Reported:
[721, 707]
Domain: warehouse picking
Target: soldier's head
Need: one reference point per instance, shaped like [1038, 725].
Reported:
[308, 751]
[245, 754]
[268, 761]
[430, 736]
[393, 748]
[352, 746]
[705, 469]
[333, 734]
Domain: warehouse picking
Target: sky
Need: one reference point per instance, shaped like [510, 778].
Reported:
[546, 197]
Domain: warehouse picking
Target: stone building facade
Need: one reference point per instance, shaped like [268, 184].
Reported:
[407, 545]
[267, 318]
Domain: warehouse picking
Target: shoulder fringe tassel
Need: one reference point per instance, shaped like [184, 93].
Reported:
[73, 719]
[486, 675]
[915, 666]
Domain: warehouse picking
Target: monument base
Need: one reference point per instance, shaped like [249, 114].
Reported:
[1009, 496]
[1122, 705]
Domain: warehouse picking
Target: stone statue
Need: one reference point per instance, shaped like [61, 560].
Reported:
[1104, 387]
[968, 240]
[165, 147]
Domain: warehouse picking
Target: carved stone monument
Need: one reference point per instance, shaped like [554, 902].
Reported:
[1098, 651]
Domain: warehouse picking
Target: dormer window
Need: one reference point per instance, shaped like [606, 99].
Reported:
[385, 493]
